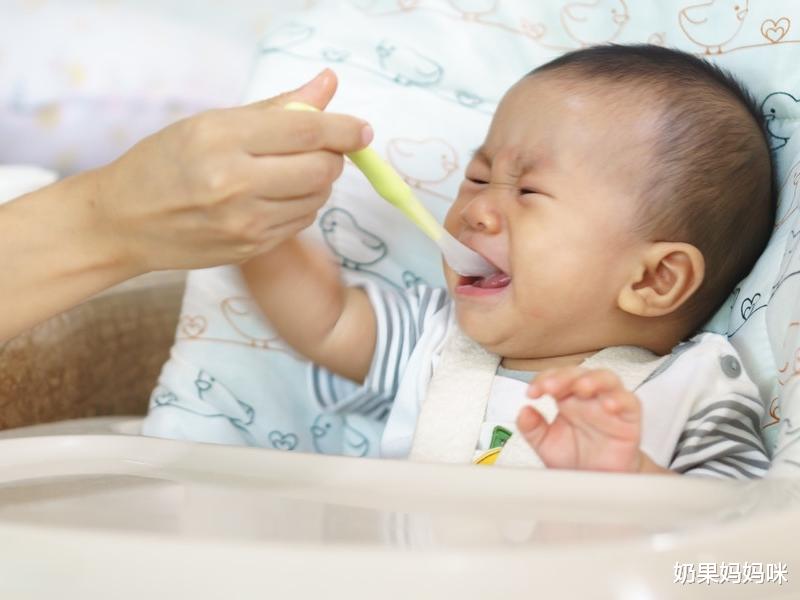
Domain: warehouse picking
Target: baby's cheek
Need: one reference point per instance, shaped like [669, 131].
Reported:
[450, 277]
[536, 304]
[452, 217]
[558, 292]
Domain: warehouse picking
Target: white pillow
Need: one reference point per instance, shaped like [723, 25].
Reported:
[428, 75]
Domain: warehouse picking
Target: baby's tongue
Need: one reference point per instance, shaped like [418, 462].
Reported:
[495, 280]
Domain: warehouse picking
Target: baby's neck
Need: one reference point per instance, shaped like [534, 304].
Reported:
[546, 362]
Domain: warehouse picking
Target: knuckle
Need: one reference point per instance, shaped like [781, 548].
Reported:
[308, 220]
[217, 181]
[336, 166]
[244, 251]
[203, 128]
[328, 169]
[301, 223]
[243, 229]
[309, 133]
[318, 199]
[319, 176]
[253, 229]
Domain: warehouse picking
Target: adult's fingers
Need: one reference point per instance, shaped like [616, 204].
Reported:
[287, 132]
[276, 212]
[294, 175]
[316, 92]
[272, 236]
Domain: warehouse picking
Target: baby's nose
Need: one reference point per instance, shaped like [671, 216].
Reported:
[481, 215]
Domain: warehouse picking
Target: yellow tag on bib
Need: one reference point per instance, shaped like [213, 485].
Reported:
[489, 457]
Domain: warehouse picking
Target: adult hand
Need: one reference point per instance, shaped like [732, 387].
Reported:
[213, 189]
[225, 185]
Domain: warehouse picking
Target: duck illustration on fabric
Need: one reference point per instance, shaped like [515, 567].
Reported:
[212, 400]
[407, 66]
[332, 434]
[471, 10]
[203, 382]
[286, 36]
[427, 161]
[244, 317]
[713, 23]
[779, 110]
[238, 412]
[354, 245]
[594, 21]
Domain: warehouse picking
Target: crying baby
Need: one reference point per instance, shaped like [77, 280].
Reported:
[621, 193]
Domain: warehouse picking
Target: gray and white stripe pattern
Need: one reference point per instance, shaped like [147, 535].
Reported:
[401, 317]
[721, 439]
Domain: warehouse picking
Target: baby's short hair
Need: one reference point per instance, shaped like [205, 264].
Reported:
[711, 178]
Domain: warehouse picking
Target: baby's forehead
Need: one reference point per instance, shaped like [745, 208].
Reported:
[565, 93]
[575, 122]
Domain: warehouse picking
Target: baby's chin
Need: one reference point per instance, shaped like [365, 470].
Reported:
[482, 329]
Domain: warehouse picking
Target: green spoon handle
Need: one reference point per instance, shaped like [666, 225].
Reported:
[389, 184]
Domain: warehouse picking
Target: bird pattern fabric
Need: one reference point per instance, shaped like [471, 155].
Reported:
[430, 104]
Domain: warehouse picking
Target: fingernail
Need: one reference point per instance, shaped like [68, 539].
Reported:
[366, 134]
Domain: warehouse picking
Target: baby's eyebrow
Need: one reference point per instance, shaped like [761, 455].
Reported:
[525, 162]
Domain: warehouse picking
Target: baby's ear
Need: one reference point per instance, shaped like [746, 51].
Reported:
[666, 277]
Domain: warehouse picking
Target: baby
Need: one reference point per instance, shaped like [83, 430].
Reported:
[621, 192]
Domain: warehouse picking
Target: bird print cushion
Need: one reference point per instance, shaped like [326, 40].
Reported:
[428, 75]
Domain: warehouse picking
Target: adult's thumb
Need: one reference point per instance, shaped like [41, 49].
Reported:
[317, 92]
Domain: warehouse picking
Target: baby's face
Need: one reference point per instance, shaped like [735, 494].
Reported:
[550, 199]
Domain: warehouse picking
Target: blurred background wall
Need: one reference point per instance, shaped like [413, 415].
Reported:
[83, 80]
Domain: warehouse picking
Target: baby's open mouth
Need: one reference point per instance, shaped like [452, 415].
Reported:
[490, 282]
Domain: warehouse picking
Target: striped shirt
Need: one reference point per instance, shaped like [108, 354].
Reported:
[699, 399]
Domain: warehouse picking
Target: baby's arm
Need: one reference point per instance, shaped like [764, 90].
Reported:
[598, 426]
[301, 293]
[722, 437]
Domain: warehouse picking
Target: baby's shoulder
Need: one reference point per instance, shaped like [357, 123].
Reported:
[707, 346]
[707, 359]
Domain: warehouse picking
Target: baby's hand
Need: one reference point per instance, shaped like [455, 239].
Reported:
[598, 426]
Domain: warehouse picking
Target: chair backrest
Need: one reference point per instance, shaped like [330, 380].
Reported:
[100, 358]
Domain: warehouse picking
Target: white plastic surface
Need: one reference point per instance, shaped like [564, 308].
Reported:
[110, 516]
